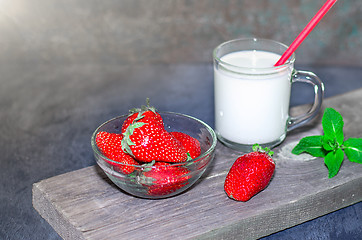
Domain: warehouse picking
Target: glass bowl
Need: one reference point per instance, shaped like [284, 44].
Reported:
[160, 181]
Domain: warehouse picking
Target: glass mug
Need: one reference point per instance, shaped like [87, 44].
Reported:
[252, 95]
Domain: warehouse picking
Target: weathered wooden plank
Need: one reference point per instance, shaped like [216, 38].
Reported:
[84, 204]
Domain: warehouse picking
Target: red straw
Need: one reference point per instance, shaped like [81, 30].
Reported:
[320, 14]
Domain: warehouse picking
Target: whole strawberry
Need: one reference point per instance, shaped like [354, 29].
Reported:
[146, 140]
[249, 174]
[191, 145]
[165, 178]
[110, 146]
[146, 111]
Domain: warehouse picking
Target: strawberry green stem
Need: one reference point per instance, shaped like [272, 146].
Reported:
[258, 148]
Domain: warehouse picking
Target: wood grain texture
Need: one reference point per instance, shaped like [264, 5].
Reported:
[84, 204]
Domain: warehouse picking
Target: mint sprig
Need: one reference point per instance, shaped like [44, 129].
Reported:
[331, 146]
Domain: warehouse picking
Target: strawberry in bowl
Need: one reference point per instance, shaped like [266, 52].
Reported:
[152, 154]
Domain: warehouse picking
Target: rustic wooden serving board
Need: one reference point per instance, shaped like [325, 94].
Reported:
[84, 204]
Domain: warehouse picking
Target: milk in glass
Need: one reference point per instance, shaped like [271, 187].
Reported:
[251, 97]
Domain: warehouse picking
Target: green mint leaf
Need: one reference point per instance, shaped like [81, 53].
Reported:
[312, 145]
[333, 161]
[353, 149]
[332, 123]
[329, 144]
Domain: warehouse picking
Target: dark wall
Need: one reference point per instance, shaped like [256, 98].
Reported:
[173, 31]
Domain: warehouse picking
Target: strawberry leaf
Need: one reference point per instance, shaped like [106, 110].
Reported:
[143, 109]
[148, 107]
[258, 148]
[332, 123]
[353, 149]
[135, 125]
[148, 166]
[311, 145]
[139, 116]
[333, 161]
[126, 141]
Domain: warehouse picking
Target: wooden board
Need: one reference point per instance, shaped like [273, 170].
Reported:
[84, 204]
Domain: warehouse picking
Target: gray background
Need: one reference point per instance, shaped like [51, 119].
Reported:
[143, 31]
[67, 66]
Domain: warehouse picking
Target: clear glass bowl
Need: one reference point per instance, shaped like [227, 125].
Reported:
[157, 184]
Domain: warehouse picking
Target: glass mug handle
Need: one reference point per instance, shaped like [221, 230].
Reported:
[310, 78]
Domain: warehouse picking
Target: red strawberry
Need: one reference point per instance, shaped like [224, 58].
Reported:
[147, 140]
[249, 174]
[146, 111]
[110, 146]
[165, 178]
[192, 145]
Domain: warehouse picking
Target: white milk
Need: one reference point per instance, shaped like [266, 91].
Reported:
[254, 107]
